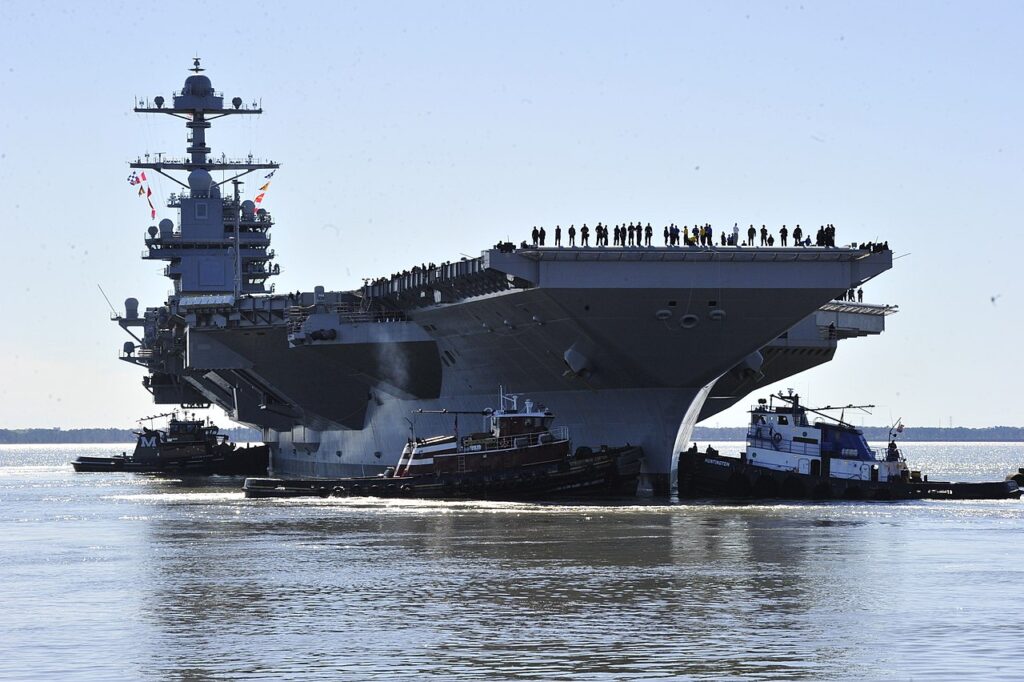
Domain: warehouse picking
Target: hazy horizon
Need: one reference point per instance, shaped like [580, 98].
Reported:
[415, 132]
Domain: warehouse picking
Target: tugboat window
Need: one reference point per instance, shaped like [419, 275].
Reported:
[783, 421]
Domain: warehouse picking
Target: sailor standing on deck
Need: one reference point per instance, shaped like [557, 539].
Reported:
[783, 233]
[572, 235]
[735, 234]
[542, 234]
[535, 235]
[584, 235]
[648, 233]
[558, 235]
[750, 235]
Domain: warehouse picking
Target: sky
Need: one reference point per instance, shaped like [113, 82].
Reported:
[416, 131]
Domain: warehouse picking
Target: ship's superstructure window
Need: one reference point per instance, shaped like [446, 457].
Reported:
[200, 210]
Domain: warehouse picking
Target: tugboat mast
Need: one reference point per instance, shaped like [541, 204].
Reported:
[794, 401]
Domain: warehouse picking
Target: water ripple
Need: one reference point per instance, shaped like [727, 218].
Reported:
[134, 577]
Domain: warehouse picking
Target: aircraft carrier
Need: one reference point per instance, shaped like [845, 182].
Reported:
[624, 344]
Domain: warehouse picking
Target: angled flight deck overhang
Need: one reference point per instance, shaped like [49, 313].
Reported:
[728, 267]
[811, 342]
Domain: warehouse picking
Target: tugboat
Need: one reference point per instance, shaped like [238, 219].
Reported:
[789, 457]
[520, 456]
[187, 446]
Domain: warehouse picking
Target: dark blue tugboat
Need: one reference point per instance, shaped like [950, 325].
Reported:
[187, 446]
[790, 457]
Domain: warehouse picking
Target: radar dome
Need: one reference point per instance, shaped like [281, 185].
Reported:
[152, 230]
[131, 308]
[166, 225]
[248, 207]
[200, 180]
[197, 86]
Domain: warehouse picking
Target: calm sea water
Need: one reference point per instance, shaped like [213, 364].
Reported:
[126, 576]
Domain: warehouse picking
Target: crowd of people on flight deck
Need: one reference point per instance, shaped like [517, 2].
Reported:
[639, 235]
[428, 269]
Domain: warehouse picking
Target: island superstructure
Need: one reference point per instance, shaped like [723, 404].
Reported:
[628, 345]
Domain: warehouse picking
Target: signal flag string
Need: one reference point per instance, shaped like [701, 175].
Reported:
[144, 190]
[264, 188]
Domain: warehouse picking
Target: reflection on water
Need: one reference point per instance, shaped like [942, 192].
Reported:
[125, 576]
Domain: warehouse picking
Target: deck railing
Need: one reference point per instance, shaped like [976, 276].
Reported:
[346, 312]
[556, 435]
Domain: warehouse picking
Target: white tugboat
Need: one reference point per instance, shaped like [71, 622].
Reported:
[788, 456]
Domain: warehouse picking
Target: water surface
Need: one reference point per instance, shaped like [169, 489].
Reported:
[126, 576]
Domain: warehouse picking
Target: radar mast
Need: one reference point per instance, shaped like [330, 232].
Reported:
[220, 245]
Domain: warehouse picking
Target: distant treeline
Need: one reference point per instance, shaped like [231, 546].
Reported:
[989, 434]
[21, 436]
[995, 434]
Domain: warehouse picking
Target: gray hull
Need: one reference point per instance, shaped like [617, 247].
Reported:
[650, 418]
[630, 363]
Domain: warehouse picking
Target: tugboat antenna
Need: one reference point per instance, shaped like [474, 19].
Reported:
[820, 410]
[896, 428]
